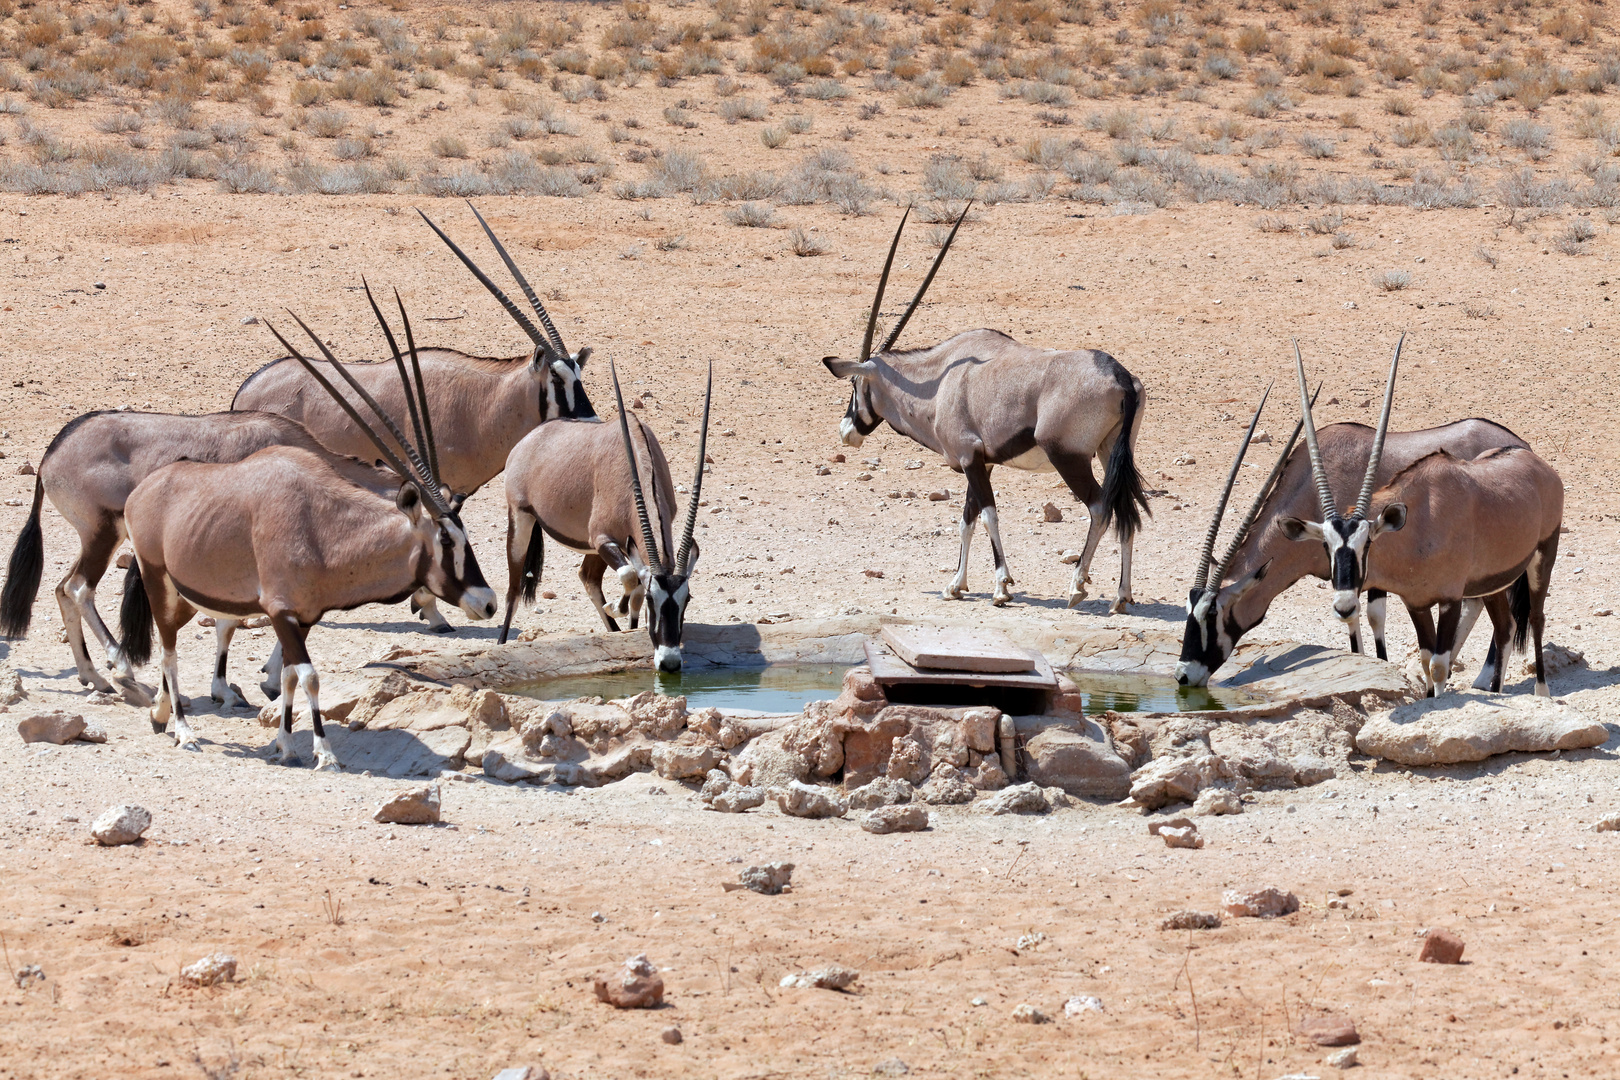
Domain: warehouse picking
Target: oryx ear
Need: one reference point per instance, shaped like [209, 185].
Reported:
[1295, 529]
[844, 369]
[1391, 518]
[456, 499]
[580, 357]
[1241, 587]
[409, 500]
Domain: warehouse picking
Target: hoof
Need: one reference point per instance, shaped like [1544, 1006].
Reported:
[1119, 607]
[159, 726]
[135, 694]
[190, 744]
[271, 692]
[1542, 690]
[1076, 597]
[444, 628]
[1000, 600]
[327, 763]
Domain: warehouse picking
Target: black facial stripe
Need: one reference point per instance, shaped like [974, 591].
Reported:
[1346, 569]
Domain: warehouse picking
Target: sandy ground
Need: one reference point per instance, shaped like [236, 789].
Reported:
[444, 965]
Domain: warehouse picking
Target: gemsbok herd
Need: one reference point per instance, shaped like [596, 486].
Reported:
[329, 485]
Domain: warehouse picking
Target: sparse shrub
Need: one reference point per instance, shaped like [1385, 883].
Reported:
[670, 243]
[1326, 224]
[1391, 280]
[774, 138]
[1271, 223]
[327, 123]
[947, 178]
[750, 215]
[1525, 134]
[1342, 240]
[1396, 105]
[353, 149]
[1486, 256]
[448, 146]
[826, 89]
[920, 95]
[1046, 151]
[679, 117]
[804, 245]
[798, 124]
[682, 170]
[1317, 146]
[1410, 133]
[734, 109]
[120, 123]
[1455, 141]
[247, 178]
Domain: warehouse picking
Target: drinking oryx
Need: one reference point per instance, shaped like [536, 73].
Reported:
[580, 481]
[1261, 562]
[87, 472]
[981, 399]
[484, 404]
[292, 534]
[1448, 530]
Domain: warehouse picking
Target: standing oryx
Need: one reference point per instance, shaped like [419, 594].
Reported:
[981, 399]
[580, 482]
[1448, 530]
[484, 405]
[87, 473]
[292, 534]
[1261, 562]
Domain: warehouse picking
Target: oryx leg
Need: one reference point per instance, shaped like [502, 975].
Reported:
[1423, 626]
[222, 691]
[520, 533]
[76, 597]
[170, 611]
[591, 569]
[426, 605]
[297, 671]
[978, 504]
[1445, 646]
[1540, 572]
[1490, 672]
[1377, 599]
[272, 673]
[1076, 472]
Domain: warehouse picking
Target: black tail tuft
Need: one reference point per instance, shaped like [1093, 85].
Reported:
[1519, 605]
[534, 561]
[24, 572]
[1123, 498]
[135, 619]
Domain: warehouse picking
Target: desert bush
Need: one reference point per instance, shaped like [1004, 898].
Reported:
[734, 109]
[804, 245]
[1391, 280]
[448, 146]
[1044, 150]
[682, 170]
[773, 138]
[247, 178]
[1317, 146]
[750, 215]
[826, 89]
[1525, 134]
[1455, 141]
[1410, 133]
[326, 123]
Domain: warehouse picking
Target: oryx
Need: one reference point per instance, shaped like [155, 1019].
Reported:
[292, 534]
[981, 399]
[581, 482]
[483, 405]
[1448, 530]
[1261, 562]
[87, 472]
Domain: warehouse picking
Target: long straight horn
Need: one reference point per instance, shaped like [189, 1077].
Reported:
[883, 283]
[399, 363]
[894, 335]
[483, 279]
[430, 446]
[421, 473]
[1242, 533]
[1324, 491]
[534, 301]
[648, 541]
[1364, 500]
[1201, 578]
[685, 548]
[404, 471]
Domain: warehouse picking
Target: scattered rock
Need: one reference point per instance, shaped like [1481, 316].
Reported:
[415, 806]
[1029, 1014]
[1192, 920]
[523, 1072]
[11, 688]
[685, 761]
[938, 496]
[94, 732]
[53, 727]
[28, 975]
[767, 879]
[1081, 762]
[1050, 512]
[121, 825]
[1451, 729]
[25, 469]
[1330, 1030]
[1167, 780]
[1022, 799]
[1185, 837]
[636, 985]
[1556, 659]
[1070, 557]
[910, 817]
[799, 799]
[1441, 947]
[1608, 824]
[892, 1067]
[211, 969]
[881, 792]
[947, 788]
[1265, 903]
[1343, 1059]
[738, 798]
[831, 977]
[1083, 1003]
[670, 1035]
[1217, 801]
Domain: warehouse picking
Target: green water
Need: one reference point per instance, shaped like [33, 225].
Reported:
[1110, 691]
[779, 688]
[785, 688]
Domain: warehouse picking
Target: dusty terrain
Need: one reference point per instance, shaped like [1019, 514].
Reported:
[461, 950]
